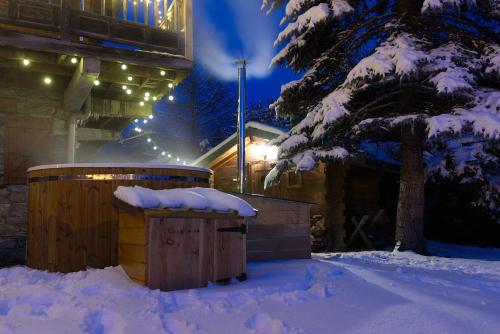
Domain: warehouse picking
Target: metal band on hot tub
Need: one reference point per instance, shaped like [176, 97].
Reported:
[111, 177]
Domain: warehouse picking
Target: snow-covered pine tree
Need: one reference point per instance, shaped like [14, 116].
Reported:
[403, 70]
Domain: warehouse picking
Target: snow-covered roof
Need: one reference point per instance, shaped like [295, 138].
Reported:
[252, 129]
[184, 198]
[119, 165]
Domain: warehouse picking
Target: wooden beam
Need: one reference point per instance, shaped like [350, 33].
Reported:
[188, 29]
[105, 53]
[116, 108]
[81, 84]
[86, 134]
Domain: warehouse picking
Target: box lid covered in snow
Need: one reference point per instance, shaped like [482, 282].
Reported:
[184, 198]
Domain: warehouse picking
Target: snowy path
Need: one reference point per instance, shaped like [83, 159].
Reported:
[369, 292]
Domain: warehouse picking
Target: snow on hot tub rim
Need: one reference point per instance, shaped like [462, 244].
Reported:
[119, 165]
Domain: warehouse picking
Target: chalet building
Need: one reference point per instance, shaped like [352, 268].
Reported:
[356, 199]
[72, 75]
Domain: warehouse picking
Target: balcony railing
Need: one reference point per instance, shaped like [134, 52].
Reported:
[158, 25]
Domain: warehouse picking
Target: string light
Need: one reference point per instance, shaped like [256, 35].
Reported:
[155, 98]
[149, 140]
[141, 104]
[26, 62]
[163, 153]
[136, 120]
[150, 116]
[129, 91]
[130, 78]
[178, 159]
[155, 148]
[124, 87]
[145, 121]
[97, 82]
[146, 94]
[162, 73]
[184, 163]
[74, 60]
[169, 155]
[124, 67]
[146, 98]
[47, 80]
[171, 98]
[170, 85]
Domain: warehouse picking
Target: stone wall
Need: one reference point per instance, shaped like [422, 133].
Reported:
[17, 99]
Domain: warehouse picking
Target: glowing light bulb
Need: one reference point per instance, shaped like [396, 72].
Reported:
[139, 130]
[149, 140]
[26, 62]
[184, 163]
[150, 116]
[47, 80]
[163, 153]
[146, 94]
[145, 121]
[136, 120]
[170, 85]
[146, 98]
[170, 155]
[97, 82]
[162, 73]
[155, 98]
[130, 78]
[124, 87]
[171, 97]
[129, 91]
[141, 104]
[155, 148]
[124, 67]
[178, 159]
[74, 60]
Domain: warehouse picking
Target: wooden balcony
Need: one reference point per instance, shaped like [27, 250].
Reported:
[155, 27]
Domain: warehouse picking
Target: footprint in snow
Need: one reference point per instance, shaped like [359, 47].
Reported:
[262, 323]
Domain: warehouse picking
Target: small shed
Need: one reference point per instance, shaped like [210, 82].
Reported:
[181, 248]
[354, 202]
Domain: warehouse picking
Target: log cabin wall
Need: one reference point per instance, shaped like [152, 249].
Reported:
[305, 187]
[32, 131]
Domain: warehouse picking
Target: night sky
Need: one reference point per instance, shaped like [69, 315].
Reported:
[238, 27]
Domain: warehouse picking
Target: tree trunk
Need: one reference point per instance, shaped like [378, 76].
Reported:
[335, 173]
[410, 214]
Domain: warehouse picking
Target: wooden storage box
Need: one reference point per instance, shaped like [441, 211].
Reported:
[180, 249]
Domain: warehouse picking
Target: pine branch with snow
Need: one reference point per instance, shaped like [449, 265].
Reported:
[404, 70]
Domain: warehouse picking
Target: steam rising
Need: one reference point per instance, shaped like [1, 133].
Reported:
[251, 37]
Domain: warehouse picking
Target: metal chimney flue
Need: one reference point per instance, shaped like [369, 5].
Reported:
[242, 73]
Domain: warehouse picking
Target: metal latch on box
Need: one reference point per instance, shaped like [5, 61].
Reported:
[241, 229]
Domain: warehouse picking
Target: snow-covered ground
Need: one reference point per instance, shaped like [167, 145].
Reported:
[367, 292]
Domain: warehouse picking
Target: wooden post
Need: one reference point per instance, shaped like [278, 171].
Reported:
[136, 11]
[146, 12]
[188, 29]
[155, 14]
[81, 84]
[335, 173]
[124, 2]
[65, 35]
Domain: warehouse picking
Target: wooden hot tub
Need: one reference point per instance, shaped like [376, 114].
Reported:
[72, 224]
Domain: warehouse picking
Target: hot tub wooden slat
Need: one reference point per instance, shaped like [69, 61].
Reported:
[72, 224]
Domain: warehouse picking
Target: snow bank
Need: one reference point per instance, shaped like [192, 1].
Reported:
[365, 292]
[184, 198]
